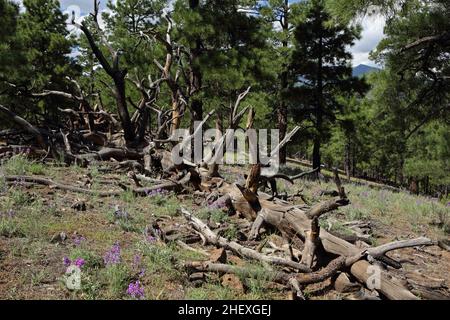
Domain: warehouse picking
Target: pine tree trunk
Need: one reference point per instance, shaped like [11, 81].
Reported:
[316, 153]
[196, 75]
[347, 161]
[319, 114]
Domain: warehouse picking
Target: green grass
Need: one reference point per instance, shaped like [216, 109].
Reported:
[214, 215]
[116, 277]
[92, 260]
[210, 291]
[9, 228]
[21, 165]
[337, 227]
[163, 205]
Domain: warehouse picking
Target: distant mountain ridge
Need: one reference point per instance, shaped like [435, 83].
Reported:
[363, 69]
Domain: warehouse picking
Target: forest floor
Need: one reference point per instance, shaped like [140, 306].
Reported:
[40, 226]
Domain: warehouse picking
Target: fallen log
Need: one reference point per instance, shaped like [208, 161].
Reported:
[275, 276]
[108, 153]
[214, 239]
[26, 125]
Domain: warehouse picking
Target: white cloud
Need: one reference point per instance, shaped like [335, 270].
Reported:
[372, 34]
[86, 6]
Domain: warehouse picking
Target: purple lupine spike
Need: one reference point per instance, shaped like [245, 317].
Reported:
[67, 261]
[113, 255]
[136, 290]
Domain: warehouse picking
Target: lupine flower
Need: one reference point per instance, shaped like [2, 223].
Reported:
[78, 240]
[150, 236]
[67, 261]
[142, 273]
[79, 262]
[113, 256]
[136, 290]
[137, 261]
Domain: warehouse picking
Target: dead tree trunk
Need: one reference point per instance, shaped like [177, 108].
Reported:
[113, 70]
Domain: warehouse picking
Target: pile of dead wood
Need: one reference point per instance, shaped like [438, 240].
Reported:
[314, 254]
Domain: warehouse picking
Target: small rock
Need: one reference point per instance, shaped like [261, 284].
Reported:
[79, 206]
[218, 255]
[59, 237]
[233, 282]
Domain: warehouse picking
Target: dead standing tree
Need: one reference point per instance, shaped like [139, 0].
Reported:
[112, 68]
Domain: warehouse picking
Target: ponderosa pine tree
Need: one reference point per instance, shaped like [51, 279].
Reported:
[226, 49]
[9, 12]
[46, 46]
[282, 16]
[320, 69]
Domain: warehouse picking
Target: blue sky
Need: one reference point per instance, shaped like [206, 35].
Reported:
[371, 35]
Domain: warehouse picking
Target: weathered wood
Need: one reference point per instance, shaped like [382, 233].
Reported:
[26, 125]
[311, 242]
[275, 276]
[388, 286]
[295, 221]
[212, 238]
[343, 284]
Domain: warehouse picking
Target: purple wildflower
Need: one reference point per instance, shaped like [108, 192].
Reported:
[113, 256]
[78, 240]
[67, 261]
[79, 262]
[137, 261]
[136, 290]
[151, 239]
